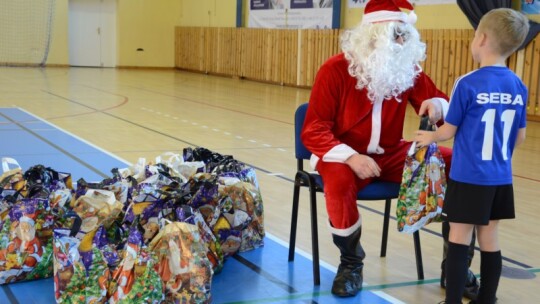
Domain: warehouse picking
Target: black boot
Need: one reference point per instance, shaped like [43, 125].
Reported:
[349, 277]
[471, 284]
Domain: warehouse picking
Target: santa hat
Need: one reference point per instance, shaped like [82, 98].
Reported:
[132, 249]
[26, 219]
[388, 10]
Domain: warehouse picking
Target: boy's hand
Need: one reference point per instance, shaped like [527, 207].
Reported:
[424, 138]
[363, 166]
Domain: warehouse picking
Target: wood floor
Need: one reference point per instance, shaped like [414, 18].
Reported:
[143, 113]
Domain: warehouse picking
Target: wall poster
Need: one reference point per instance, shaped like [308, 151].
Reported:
[291, 14]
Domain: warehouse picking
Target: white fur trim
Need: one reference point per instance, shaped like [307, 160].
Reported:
[28, 220]
[347, 231]
[338, 154]
[131, 251]
[313, 160]
[412, 18]
[376, 122]
[385, 16]
[444, 105]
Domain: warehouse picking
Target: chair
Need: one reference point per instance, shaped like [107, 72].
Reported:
[377, 190]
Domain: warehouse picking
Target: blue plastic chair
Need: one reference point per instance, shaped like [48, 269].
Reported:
[378, 190]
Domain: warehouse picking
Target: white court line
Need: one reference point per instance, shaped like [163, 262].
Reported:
[78, 138]
[213, 129]
[322, 263]
[275, 174]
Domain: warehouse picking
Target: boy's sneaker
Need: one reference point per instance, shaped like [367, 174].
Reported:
[471, 287]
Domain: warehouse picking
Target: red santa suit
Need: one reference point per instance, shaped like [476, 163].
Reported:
[341, 120]
[32, 247]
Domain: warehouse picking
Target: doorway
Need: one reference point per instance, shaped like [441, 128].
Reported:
[92, 33]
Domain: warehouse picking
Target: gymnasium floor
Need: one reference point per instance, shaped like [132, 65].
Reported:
[87, 121]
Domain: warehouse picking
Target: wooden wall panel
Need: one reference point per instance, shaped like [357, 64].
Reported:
[293, 57]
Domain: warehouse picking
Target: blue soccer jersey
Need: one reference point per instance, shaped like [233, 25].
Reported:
[488, 107]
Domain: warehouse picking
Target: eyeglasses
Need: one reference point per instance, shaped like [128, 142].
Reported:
[399, 32]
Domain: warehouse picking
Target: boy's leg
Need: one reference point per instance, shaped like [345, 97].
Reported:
[471, 283]
[490, 263]
[392, 170]
[456, 262]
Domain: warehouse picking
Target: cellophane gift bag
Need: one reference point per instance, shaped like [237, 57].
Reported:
[81, 273]
[136, 280]
[182, 264]
[423, 186]
[30, 206]
[25, 241]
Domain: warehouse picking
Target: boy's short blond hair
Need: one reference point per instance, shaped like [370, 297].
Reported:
[508, 28]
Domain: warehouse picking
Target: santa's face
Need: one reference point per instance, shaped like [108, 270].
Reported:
[129, 261]
[150, 230]
[27, 231]
[384, 57]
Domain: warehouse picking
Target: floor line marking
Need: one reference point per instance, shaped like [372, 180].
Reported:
[364, 288]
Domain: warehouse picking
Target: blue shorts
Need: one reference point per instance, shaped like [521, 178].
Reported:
[477, 204]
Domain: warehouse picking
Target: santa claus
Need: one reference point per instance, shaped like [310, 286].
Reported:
[354, 122]
[26, 243]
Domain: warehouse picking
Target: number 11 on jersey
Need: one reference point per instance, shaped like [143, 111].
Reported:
[507, 118]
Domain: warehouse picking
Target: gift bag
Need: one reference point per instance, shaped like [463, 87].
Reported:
[135, 280]
[240, 226]
[30, 204]
[95, 208]
[182, 264]
[423, 185]
[25, 241]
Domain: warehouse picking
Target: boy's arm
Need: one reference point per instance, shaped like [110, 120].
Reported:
[445, 132]
[520, 136]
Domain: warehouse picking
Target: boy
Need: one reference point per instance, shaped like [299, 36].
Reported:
[487, 115]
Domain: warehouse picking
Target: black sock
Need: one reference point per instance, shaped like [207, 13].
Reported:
[490, 272]
[456, 272]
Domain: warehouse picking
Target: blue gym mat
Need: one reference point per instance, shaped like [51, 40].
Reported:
[259, 276]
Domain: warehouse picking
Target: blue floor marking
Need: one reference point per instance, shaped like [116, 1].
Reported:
[31, 142]
[259, 276]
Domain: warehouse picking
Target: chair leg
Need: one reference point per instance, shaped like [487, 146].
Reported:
[418, 255]
[294, 221]
[385, 227]
[314, 237]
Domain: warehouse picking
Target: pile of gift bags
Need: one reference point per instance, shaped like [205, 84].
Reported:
[154, 232]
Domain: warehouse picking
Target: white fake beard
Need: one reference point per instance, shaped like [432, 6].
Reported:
[382, 66]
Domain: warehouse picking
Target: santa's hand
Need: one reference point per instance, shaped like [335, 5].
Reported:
[423, 138]
[433, 108]
[363, 166]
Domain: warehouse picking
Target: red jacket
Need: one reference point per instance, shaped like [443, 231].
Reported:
[339, 117]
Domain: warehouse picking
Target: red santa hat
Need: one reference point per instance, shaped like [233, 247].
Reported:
[388, 10]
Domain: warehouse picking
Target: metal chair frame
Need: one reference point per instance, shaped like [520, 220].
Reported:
[378, 190]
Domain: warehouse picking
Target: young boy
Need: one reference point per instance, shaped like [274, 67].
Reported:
[487, 116]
